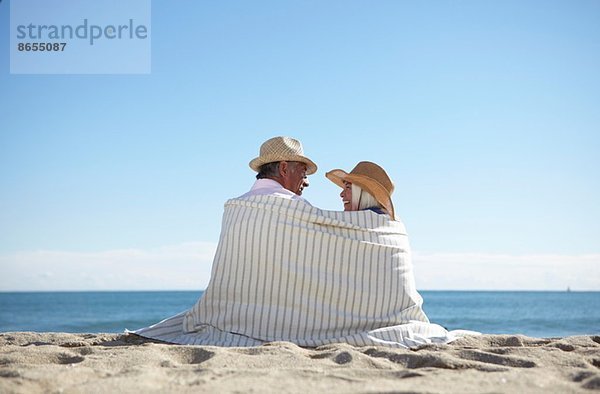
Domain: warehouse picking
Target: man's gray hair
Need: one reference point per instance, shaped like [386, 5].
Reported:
[268, 170]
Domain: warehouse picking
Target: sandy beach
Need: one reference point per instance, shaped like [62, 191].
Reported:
[70, 363]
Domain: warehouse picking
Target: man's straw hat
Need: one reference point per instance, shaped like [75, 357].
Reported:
[282, 149]
[370, 177]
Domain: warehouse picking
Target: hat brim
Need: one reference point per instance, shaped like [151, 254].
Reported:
[375, 188]
[256, 163]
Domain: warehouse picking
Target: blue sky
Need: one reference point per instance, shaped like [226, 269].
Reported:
[485, 115]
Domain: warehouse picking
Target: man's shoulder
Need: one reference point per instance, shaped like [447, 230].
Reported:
[273, 194]
[269, 187]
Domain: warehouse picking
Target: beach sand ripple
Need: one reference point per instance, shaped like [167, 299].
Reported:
[94, 363]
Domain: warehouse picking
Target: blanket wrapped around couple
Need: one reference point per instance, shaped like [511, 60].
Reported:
[287, 271]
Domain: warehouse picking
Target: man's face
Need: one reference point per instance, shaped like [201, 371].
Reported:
[293, 176]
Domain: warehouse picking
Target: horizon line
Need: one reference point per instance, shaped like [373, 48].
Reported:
[568, 290]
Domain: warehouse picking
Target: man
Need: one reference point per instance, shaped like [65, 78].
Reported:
[282, 169]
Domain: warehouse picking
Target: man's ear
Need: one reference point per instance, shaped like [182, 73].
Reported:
[283, 168]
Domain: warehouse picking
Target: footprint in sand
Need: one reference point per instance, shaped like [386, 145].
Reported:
[184, 355]
[66, 358]
[491, 358]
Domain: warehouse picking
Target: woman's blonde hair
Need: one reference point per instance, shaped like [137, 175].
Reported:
[362, 199]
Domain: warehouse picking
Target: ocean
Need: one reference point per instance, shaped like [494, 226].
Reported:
[535, 314]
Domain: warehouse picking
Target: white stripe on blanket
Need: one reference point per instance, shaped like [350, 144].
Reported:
[287, 271]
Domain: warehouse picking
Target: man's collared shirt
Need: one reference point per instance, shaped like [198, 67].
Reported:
[269, 187]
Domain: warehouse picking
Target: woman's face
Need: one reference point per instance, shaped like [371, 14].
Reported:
[346, 195]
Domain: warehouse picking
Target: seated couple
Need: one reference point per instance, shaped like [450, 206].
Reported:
[287, 271]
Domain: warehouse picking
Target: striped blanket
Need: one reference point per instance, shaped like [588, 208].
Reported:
[287, 271]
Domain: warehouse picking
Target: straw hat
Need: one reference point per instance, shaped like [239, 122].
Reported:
[282, 149]
[370, 177]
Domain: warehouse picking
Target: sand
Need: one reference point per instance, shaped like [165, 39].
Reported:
[105, 363]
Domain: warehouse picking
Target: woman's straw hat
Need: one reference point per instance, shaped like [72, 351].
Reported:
[282, 149]
[370, 177]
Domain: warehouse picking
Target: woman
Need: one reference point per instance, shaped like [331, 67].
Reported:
[367, 186]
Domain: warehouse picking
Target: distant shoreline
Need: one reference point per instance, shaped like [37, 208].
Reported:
[202, 290]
